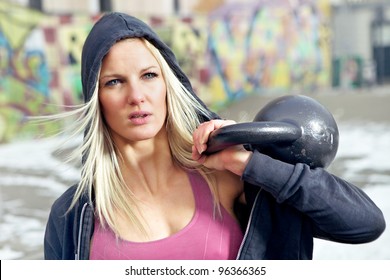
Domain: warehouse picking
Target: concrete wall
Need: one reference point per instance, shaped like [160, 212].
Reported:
[351, 33]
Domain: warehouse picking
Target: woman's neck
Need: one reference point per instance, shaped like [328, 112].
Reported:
[147, 165]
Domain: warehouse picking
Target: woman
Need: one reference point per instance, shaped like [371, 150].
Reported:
[148, 192]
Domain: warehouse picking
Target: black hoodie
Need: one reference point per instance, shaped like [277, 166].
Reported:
[288, 204]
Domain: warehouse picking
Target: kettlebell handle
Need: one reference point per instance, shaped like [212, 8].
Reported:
[252, 133]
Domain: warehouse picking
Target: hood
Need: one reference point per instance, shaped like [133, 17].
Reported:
[108, 30]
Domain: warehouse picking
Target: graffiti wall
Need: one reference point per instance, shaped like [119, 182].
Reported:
[39, 68]
[234, 51]
[258, 47]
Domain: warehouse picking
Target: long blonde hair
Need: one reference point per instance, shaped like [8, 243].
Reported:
[101, 174]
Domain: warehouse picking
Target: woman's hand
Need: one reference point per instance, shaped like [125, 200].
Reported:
[233, 159]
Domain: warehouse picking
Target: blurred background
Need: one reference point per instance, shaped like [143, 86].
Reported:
[239, 55]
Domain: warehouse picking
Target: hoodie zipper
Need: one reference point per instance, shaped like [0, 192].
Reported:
[248, 226]
[81, 223]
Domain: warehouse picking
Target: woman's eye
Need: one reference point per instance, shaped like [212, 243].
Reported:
[150, 75]
[112, 82]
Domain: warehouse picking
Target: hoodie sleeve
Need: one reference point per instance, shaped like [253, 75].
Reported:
[339, 211]
[52, 242]
[59, 234]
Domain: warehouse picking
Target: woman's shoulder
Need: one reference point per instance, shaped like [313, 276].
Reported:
[230, 186]
[63, 202]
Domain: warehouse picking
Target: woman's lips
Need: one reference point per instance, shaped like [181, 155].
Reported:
[139, 118]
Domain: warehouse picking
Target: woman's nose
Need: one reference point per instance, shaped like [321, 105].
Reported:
[135, 95]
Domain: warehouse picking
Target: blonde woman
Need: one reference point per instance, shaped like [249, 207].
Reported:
[148, 192]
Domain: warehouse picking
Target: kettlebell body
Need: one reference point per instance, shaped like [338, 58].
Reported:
[318, 144]
[292, 128]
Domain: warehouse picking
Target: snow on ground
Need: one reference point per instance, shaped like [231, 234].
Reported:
[31, 178]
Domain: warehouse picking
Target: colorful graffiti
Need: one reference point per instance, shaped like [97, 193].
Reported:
[256, 48]
[23, 80]
[39, 68]
[230, 53]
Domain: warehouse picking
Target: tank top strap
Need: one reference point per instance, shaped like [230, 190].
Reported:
[201, 191]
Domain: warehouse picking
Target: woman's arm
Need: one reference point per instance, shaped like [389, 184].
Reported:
[339, 210]
[52, 241]
[59, 234]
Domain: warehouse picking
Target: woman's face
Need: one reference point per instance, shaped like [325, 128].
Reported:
[132, 92]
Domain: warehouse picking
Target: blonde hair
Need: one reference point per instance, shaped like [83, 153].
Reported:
[101, 175]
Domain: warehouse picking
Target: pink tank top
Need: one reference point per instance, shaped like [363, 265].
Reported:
[205, 237]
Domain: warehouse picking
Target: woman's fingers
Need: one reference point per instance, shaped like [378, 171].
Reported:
[202, 133]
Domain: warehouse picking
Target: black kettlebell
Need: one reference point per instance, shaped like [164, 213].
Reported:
[292, 128]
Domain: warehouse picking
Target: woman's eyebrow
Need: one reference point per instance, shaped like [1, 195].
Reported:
[149, 68]
[109, 75]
